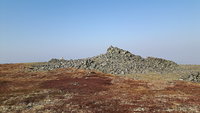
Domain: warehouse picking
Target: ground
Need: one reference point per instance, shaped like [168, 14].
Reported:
[83, 91]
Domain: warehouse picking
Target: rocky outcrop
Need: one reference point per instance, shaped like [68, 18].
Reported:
[114, 61]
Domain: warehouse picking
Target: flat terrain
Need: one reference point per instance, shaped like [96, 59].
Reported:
[83, 91]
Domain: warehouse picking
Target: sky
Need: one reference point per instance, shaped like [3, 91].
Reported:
[38, 30]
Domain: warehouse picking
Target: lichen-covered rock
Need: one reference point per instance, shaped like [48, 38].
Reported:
[114, 61]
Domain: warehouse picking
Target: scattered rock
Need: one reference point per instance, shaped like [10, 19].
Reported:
[194, 77]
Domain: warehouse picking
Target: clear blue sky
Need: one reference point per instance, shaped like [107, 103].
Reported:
[38, 30]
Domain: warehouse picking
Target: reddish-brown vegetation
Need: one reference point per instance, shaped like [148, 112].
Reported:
[81, 91]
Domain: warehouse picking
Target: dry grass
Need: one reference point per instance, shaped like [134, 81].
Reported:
[190, 67]
[155, 76]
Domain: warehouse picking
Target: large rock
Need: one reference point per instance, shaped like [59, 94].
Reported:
[114, 61]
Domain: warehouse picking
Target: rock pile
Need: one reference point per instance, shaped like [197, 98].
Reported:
[114, 61]
[194, 77]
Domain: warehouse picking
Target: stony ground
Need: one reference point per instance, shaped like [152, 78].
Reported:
[81, 91]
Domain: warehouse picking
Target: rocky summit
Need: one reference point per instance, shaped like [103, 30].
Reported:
[114, 61]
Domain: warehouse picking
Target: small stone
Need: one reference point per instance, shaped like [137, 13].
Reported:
[122, 72]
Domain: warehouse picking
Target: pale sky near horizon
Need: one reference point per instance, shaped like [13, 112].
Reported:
[38, 30]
